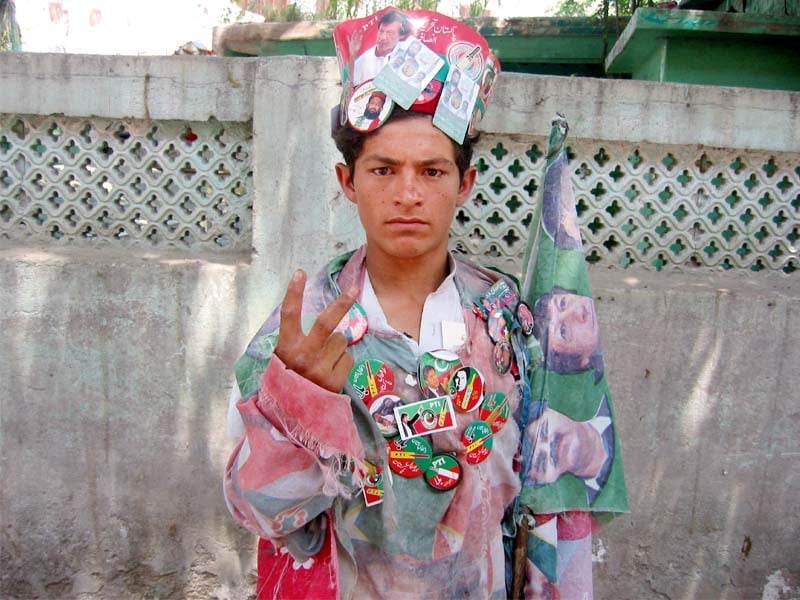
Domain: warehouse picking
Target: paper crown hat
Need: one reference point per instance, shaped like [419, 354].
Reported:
[420, 60]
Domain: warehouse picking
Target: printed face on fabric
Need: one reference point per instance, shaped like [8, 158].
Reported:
[568, 322]
[407, 188]
[562, 445]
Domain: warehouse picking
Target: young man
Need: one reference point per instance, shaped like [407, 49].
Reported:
[342, 509]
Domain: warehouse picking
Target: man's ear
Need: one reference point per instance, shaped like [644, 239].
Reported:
[467, 183]
[345, 179]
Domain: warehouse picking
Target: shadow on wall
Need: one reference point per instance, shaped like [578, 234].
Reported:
[703, 382]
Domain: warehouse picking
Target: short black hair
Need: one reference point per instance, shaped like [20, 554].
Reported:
[395, 16]
[351, 142]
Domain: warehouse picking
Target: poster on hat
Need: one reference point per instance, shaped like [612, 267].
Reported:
[570, 449]
[395, 48]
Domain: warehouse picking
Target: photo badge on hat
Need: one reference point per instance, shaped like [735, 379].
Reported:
[423, 61]
[368, 107]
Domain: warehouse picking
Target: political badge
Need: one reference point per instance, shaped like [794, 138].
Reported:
[354, 324]
[499, 323]
[501, 356]
[410, 458]
[525, 318]
[410, 70]
[382, 410]
[368, 107]
[466, 388]
[444, 473]
[425, 417]
[499, 295]
[494, 411]
[370, 379]
[435, 370]
[477, 441]
[373, 485]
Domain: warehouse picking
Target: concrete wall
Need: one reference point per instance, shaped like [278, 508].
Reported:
[115, 366]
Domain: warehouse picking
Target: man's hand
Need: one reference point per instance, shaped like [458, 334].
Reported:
[321, 356]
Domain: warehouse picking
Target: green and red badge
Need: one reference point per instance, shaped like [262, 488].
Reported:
[444, 473]
[466, 388]
[477, 441]
[425, 417]
[494, 411]
[435, 370]
[410, 458]
[373, 485]
[371, 378]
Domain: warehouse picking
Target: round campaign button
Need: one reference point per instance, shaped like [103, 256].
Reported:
[435, 369]
[466, 389]
[494, 411]
[370, 379]
[502, 357]
[444, 473]
[410, 458]
[525, 318]
[499, 324]
[368, 107]
[477, 440]
[354, 324]
[382, 410]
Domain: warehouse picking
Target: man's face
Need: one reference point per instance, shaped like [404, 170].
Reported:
[407, 188]
[572, 326]
[431, 379]
[374, 107]
[555, 446]
[388, 36]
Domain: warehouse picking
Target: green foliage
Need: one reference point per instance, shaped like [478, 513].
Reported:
[291, 13]
[599, 8]
[477, 8]
[348, 9]
[9, 29]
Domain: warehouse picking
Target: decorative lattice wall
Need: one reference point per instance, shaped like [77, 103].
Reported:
[162, 185]
[655, 206]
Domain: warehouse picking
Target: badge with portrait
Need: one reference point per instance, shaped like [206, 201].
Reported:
[425, 417]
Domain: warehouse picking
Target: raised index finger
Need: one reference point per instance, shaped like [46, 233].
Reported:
[329, 319]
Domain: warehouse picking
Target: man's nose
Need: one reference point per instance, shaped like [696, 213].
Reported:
[410, 189]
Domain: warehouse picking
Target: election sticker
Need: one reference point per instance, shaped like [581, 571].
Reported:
[373, 485]
[494, 411]
[466, 388]
[409, 71]
[477, 441]
[382, 410]
[444, 473]
[499, 324]
[410, 458]
[368, 108]
[425, 417]
[354, 324]
[454, 111]
[370, 379]
[435, 370]
[525, 318]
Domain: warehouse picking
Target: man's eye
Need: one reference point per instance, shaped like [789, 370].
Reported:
[562, 303]
[381, 171]
[434, 172]
[563, 331]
